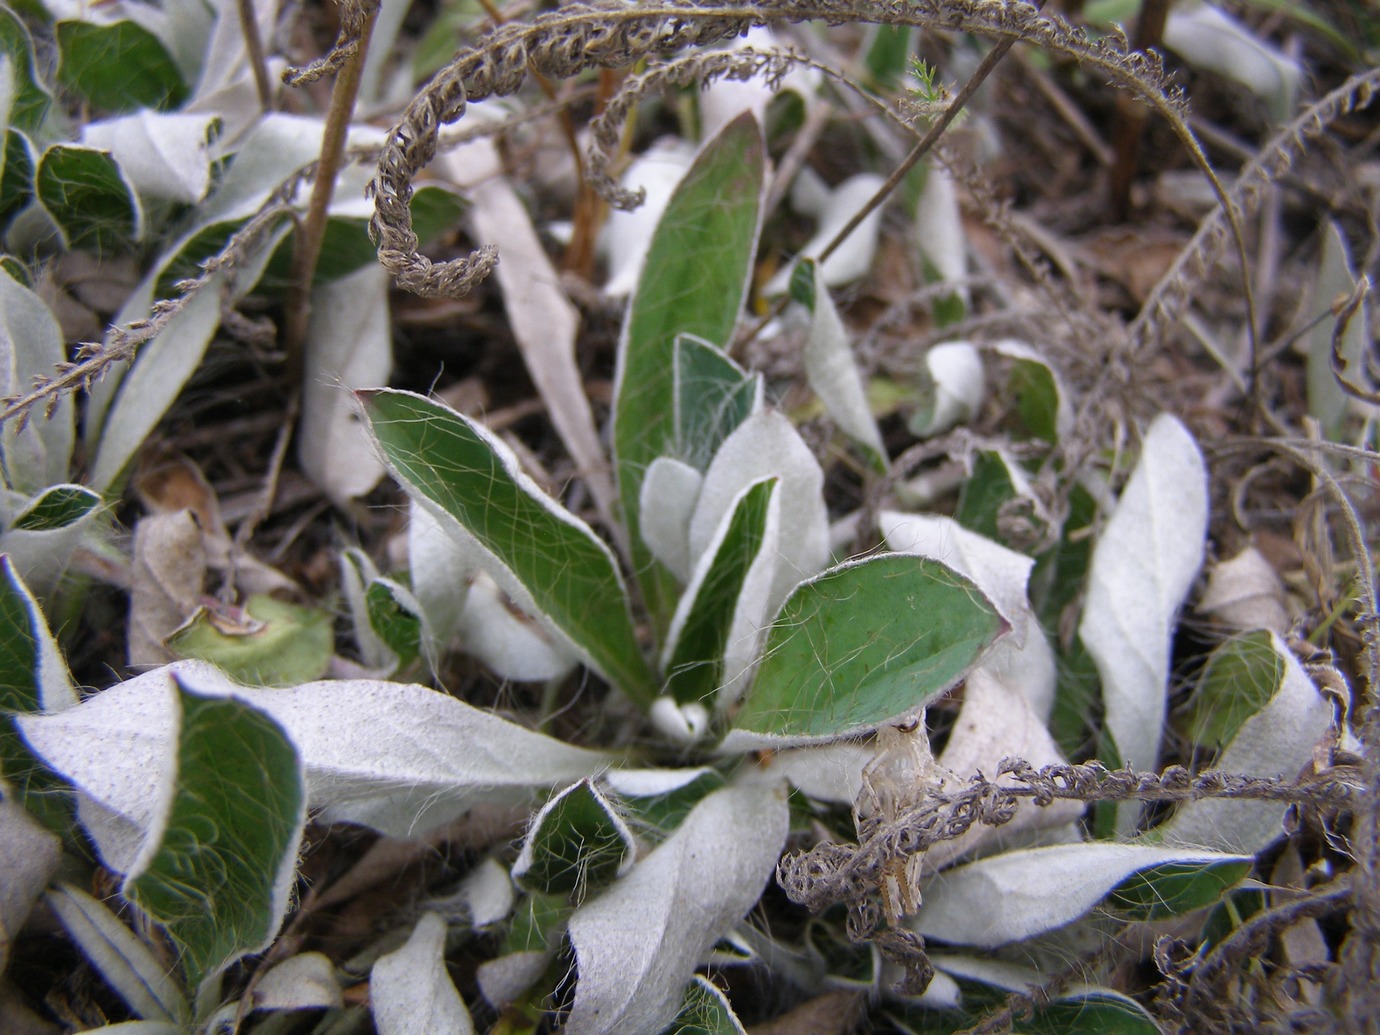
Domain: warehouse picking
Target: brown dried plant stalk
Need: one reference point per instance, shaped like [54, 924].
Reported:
[832, 873]
[602, 35]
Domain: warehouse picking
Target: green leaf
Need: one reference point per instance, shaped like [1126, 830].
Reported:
[31, 101]
[704, 621]
[693, 282]
[15, 270]
[863, 643]
[33, 679]
[888, 57]
[1036, 392]
[547, 555]
[88, 198]
[185, 262]
[118, 67]
[17, 178]
[802, 287]
[219, 876]
[1279, 737]
[705, 1011]
[271, 643]
[1235, 908]
[23, 633]
[393, 620]
[656, 801]
[985, 490]
[1061, 571]
[59, 507]
[846, 963]
[712, 396]
[538, 923]
[577, 843]
[33, 675]
[1099, 1011]
[1172, 889]
[1241, 676]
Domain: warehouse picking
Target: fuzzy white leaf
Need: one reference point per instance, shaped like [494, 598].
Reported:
[1142, 568]
[767, 445]
[1013, 977]
[1017, 895]
[1279, 740]
[7, 88]
[31, 345]
[511, 644]
[125, 962]
[997, 722]
[627, 235]
[356, 572]
[854, 256]
[958, 385]
[503, 980]
[487, 894]
[1210, 39]
[1245, 593]
[397, 757]
[166, 581]
[157, 376]
[650, 783]
[225, 86]
[1327, 400]
[668, 496]
[542, 318]
[638, 943]
[381, 63]
[410, 991]
[306, 981]
[1021, 660]
[833, 373]
[164, 155]
[1030, 668]
[29, 857]
[349, 345]
[440, 567]
[276, 146]
[679, 723]
[828, 772]
[41, 555]
[725, 99]
[939, 228]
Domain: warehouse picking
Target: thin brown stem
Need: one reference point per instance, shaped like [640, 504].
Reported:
[926, 143]
[313, 229]
[1131, 116]
[258, 60]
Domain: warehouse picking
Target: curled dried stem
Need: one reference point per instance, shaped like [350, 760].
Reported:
[601, 35]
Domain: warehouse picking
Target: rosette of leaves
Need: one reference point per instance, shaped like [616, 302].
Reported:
[722, 619]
